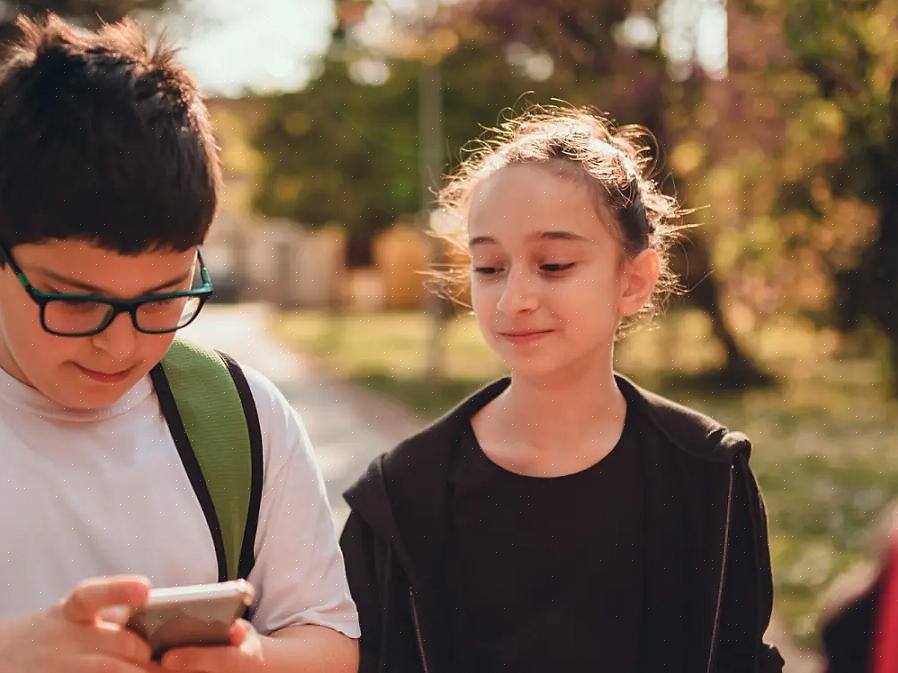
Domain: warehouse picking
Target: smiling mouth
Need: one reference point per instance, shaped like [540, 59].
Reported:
[103, 377]
[524, 336]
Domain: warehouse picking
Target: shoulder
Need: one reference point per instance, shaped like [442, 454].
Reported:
[433, 443]
[285, 440]
[265, 393]
[419, 463]
[687, 429]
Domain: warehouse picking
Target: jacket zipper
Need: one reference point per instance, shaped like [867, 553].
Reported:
[723, 565]
[420, 639]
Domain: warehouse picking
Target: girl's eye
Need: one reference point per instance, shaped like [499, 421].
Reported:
[556, 268]
[487, 270]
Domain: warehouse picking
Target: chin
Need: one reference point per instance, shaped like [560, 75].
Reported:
[91, 398]
[554, 367]
[88, 402]
[536, 368]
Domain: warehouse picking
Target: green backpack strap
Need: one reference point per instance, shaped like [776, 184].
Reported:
[210, 411]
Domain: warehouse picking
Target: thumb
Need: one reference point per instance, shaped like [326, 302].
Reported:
[240, 629]
[93, 595]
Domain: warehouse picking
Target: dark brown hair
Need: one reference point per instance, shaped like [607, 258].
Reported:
[576, 144]
[103, 139]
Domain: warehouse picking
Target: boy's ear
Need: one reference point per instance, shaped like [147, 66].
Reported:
[638, 278]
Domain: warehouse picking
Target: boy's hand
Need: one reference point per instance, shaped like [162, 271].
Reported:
[70, 637]
[243, 655]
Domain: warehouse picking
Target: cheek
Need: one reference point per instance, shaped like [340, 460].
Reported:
[483, 297]
[483, 302]
[26, 339]
[39, 354]
[41, 346]
[590, 299]
[153, 347]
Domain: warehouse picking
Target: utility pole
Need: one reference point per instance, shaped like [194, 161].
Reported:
[430, 168]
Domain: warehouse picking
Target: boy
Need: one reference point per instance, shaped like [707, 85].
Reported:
[108, 183]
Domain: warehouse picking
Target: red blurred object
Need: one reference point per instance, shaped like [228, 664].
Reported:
[885, 642]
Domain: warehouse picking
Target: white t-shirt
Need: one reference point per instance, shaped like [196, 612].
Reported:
[90, 493]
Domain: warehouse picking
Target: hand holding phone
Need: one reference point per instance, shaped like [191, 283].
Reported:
[200, 614]
[69, 635]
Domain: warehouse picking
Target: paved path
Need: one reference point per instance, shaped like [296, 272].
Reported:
[348, 424]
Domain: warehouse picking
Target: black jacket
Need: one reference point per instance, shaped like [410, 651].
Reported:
[708, 581]
[848, 631]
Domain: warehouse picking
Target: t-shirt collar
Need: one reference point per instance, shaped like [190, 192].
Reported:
[30, 400]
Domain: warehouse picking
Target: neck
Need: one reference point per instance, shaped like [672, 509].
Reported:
[563, 408]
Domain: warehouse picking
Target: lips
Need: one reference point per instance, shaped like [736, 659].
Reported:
[105, 377]
[524, 336]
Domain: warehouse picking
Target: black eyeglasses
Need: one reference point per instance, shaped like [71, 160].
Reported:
[80, 315]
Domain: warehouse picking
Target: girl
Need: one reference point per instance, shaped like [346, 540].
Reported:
[562, 519]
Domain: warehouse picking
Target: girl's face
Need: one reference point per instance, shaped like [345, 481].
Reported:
[550, 280]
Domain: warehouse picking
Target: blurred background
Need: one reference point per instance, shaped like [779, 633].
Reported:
[775, 120]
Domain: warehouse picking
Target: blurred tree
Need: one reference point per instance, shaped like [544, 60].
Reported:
[342, 150]
[785, 156]
[88, 13]
[848, 48]
[345, 149]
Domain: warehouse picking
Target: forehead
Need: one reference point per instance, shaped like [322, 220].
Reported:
[521, 201]
[108, 270]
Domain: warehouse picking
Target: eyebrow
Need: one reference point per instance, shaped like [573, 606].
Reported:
[542, 236]
[93, 289]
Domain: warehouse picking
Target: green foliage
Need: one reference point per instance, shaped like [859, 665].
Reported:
[788, 160]
[342, 151]
[848, 49]
[346, 151]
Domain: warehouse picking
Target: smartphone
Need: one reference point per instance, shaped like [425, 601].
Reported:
[200, 614]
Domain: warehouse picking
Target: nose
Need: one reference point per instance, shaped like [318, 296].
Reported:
[119, 339]
[519, 292]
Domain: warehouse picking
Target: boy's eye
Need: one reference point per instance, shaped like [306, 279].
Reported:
[556, 268]
[487, 270]
[160, 305]
[80, 306]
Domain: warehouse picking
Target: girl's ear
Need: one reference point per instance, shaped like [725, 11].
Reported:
[638, 278]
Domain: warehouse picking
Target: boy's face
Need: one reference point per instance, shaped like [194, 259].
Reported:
[94, 371]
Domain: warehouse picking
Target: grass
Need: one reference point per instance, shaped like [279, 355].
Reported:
[825, 438]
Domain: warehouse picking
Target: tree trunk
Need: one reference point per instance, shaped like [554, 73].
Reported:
[693, 263]
[739, 370]
[871, 288]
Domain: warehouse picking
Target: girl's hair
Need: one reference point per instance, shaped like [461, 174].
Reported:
[579, 145]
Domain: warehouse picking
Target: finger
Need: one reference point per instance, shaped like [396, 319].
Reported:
[239, 631]
[98, 663]
[91, 596]
[218, 659]
[122, 643]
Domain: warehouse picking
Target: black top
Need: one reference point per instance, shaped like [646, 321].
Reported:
[546, 572]
[702, 511]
